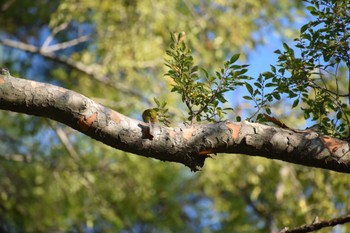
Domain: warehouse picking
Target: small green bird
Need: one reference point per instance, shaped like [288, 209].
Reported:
[150, 115]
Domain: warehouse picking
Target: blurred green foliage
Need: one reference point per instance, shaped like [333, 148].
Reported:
[54, 179]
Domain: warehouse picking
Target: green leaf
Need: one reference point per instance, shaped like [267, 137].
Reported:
[172, 36]
[194, 69]
[339, 114]
[295, 103]
[258, 85]
[315, 13]
[310, 8]
[156, 101]
[270, 84]
[242, 71]
[234, 58]
[268, 75]
[273, 69]
[281, 70]
[257, 92]
[286, 47]
[221, 98]
[292, 94]
[249, 88]
[247, 97]
[303, 28]
[276, 95]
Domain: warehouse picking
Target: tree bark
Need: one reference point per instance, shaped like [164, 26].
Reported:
[187, 145]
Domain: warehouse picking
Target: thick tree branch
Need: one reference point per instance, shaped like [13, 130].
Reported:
[187, 145]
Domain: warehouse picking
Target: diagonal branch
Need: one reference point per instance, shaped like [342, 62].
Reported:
[65, 141]
[66, 44]
[54, 32]
[6, 5]
[89, 70]
[319, 225]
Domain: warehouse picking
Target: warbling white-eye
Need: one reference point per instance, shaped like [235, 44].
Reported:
[150, 115]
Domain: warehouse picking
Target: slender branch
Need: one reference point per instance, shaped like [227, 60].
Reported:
[322, 78]
[65, 141]
[335, 97]
[55, 30]
[17, 158]
[317, 225]
[66, 44]
[316, 86]
[20, 45]
[212, 98]
[6, 5]
[348, 65]
[89, 70]
[336, 79]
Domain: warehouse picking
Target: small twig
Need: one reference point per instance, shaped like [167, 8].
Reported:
[316, 86]
[213, 95]
[322, 79]
[66, 44]
[65, 141]
[55, 30]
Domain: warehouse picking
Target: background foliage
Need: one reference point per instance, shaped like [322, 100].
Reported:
[54, 179]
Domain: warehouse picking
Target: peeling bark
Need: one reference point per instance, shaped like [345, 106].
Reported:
[187, 145]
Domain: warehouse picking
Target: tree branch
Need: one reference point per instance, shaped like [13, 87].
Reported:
[54, 32]
[187, 145]
[66, 44]
[89, 70]
[6, 5]
[65, 142]
[318, 225]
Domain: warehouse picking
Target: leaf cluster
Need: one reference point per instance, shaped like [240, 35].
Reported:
[258, 96]
[311, 77]
[162, 111]
[202, 95]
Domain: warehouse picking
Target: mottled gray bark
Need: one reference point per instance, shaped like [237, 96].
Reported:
[187, 145]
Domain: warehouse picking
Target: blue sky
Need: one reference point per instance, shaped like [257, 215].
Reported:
[259, 61]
